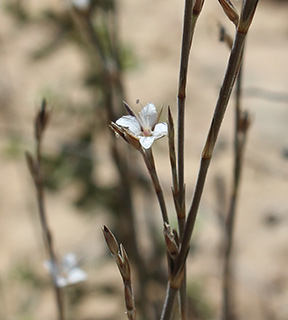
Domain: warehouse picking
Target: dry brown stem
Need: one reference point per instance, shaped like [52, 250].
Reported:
[35, 169]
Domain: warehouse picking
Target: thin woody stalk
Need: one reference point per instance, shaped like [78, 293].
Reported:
[35, 168]
[113, 94]
[240, 134]
[150, 164]
[232, 70]
[169, 303]
[191, 14]
[224, 95]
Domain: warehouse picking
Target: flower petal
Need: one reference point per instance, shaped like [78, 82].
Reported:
[76, 275]
[146, 142]
[61, 282]
[69, 261]
[131, 123]
[160, 130]
[148, 116]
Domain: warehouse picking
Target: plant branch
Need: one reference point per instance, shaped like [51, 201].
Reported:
[35, 167]
[150, 164]
[169, 303]
[122, 261]
[240, 134]
[231, 73]
[190, 18]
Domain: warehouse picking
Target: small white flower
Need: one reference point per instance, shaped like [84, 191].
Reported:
[144, 127]
[68, 272]
[79, 4]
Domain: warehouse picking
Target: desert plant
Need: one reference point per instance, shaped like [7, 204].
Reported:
[140, 131]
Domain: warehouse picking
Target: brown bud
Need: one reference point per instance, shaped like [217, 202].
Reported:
[41, 120]
[171, 245]
[124, 266]
[230, 11]
[110, 240]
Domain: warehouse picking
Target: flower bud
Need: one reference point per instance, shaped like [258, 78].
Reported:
[110, 240]
[230, 11]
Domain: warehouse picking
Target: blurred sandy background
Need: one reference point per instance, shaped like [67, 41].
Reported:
[153, 30]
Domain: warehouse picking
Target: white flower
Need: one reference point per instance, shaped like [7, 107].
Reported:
[79, 4]
[144, 127]
[68, 272]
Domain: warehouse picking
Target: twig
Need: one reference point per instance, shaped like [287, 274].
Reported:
[232, 70]
[113, 95]
[122, 261]
[35, 169]
[191, 14]
[150, 164]
[169, 302]
[221, 105]
[240, 135]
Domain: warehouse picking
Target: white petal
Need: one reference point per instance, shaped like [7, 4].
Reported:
[131, 123]
[81, 4]
[51, 268]
[61, 282]
[48, 265]
[76, 275]
[160, 130]
[146, 142]
[69, 261]
[148, 115]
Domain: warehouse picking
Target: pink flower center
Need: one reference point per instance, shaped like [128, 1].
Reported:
[147, 132]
